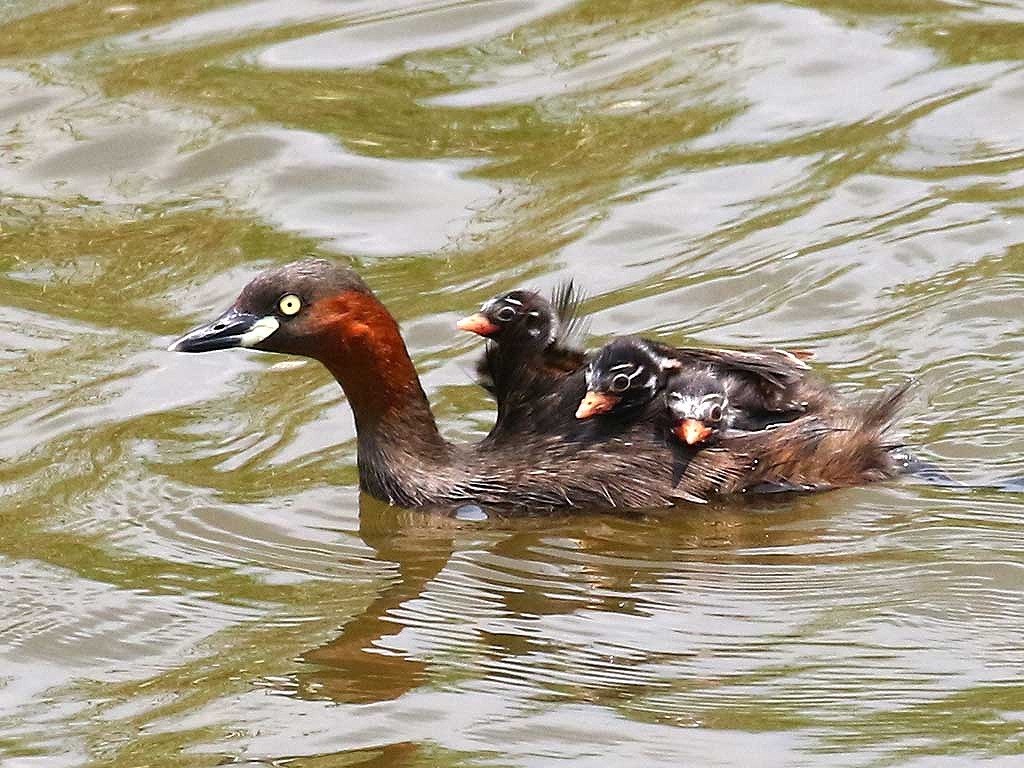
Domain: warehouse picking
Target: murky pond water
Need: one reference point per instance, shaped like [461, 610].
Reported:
[190, 576]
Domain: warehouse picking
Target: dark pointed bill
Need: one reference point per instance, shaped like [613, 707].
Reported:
[232, 329]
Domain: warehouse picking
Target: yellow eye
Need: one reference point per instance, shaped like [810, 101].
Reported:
[289, 304]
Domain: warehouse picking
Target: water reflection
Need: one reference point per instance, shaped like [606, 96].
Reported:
[521, 573]
[358, 666]
[670, 619]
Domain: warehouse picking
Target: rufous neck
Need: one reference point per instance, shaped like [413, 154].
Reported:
[365, 351]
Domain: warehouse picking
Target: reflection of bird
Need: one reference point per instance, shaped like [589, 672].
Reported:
[355, 667]
[325, 311]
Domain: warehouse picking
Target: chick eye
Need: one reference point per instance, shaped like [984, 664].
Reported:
[715, 414]
[505, 314]
[289, 304]
[619, 383]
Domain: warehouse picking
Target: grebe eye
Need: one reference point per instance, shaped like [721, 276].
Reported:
[715, 414]
[620, 383]
[505, 314]
[289, 304]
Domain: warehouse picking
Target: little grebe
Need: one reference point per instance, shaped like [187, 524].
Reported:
[528, 320]
[765, 386]
[699, 407]
[530, 348]
[325, 311]
[817, 452]
[816, 444]
[841, 447]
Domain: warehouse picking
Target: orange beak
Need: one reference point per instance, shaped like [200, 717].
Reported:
[691, 431]
[595, 403]
[478, 324]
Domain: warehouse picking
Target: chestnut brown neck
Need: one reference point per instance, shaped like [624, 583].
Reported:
[360, 343]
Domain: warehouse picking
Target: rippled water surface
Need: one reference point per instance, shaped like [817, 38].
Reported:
[190, 575]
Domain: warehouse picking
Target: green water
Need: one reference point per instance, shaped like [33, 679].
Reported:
[190, 576]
